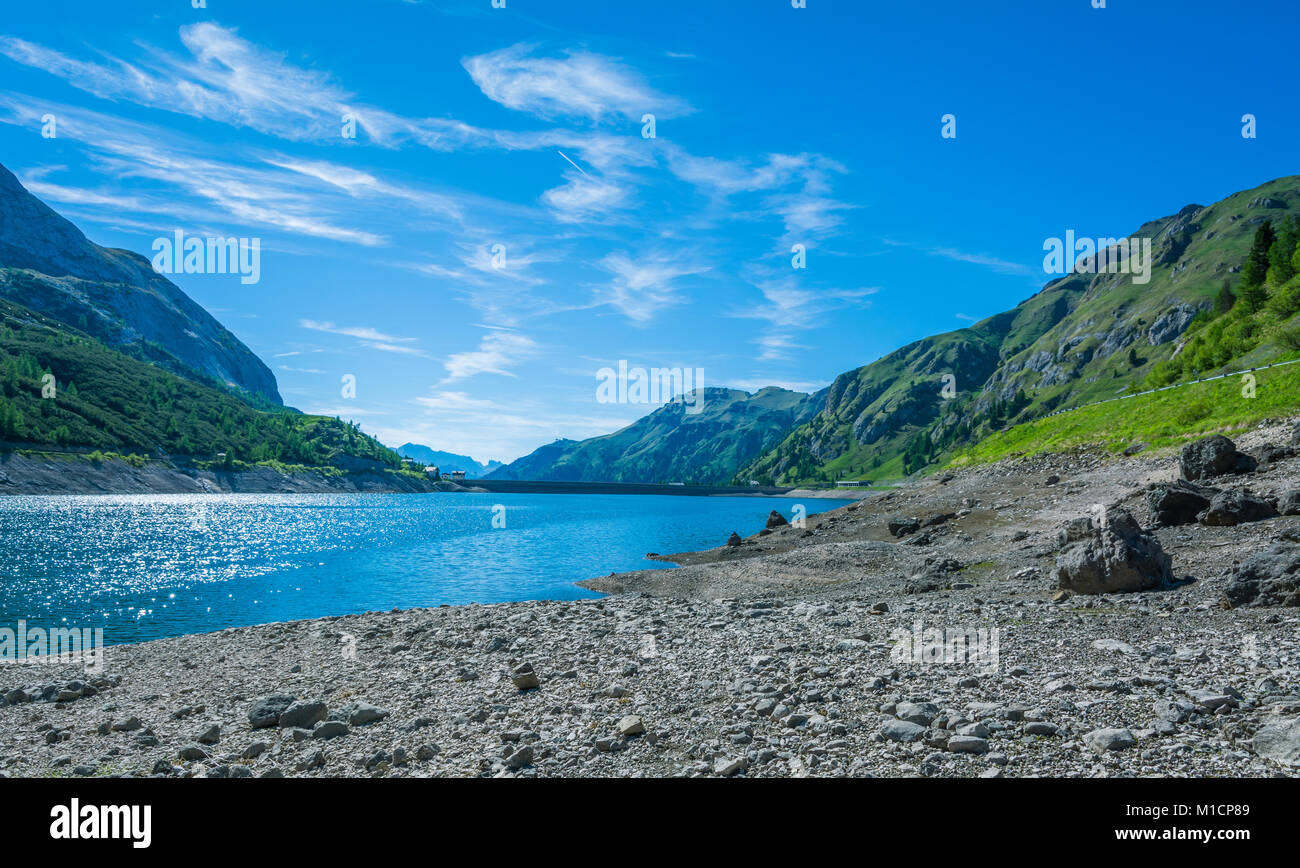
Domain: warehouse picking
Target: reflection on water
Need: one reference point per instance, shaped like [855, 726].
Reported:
[147, 566]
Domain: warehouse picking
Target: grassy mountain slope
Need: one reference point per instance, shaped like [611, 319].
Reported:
[1160, 419]
[1083, 338]
[106, 400]
[672, 445]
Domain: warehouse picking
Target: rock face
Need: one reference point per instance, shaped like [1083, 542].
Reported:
[1213, 456]
[1234, 507]
[115, 296]
[1268, 578]
[1179, 502]
[1115, 557]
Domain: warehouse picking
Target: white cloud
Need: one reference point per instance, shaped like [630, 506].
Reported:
[643, 287]
[362, 332]
[498, 352]
[580, 84]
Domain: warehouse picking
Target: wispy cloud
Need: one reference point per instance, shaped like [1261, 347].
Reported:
[499, 351]
[578, 84]
[645, 286]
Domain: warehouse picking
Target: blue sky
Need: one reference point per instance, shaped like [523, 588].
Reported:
[522, 127]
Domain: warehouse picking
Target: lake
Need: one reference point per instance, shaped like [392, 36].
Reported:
[148, 566]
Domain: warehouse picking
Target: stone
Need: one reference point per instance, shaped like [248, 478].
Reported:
[1289, 502]
[1040, 727]
[1108, 739]
[1211, 457]
[775, 520]
[1267, 578]
[968, 744]
[902, 731]
[903, 525]
[728, 767]
[266, 712]
[1279, 741]
[362, 713]
[524, 678]
[210, 735]
[1178, 502]
[734, 540]
[192, 752]
[129, 724]
[1234, 507]
[921, 713]
[1117, 557]
[303, 714]
[630, 726]
[330, 729]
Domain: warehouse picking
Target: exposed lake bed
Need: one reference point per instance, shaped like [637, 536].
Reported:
[802, 651]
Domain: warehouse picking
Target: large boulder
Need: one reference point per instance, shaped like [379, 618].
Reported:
[1279, 740]
[1267, 578]
[1213, 456]
[1234, 507]
[1178, 502]
[1111, 556]
[901, 525]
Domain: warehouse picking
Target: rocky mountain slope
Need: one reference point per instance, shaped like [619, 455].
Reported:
[1084, 337]
[673, 445]
[116, 297]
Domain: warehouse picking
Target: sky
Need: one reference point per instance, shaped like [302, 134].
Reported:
[497, 224]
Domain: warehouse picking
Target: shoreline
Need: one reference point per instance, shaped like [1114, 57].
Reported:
[787, 655]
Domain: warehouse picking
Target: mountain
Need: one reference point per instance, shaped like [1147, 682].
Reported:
[61, 388]
[1083, 338]
[47, 265]
[447, 461]
[673, 445]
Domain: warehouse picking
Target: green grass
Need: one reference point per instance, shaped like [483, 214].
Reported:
[106, 401]
[1162, 419]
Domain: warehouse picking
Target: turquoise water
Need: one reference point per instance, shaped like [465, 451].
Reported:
[148, 566]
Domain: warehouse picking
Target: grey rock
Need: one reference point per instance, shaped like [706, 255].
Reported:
[1213, 456]
[1108, 739]
[902, 731]
[303, 714]
[1116, 557]
[1178, 502]
[266, 712]
[1279, 741]
[1267, 578]
[1234, 507]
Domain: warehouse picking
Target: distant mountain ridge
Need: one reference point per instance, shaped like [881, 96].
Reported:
[673, 445]
[49, 266]
[447, 461]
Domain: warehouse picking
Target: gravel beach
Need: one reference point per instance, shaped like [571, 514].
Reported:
[919, 632]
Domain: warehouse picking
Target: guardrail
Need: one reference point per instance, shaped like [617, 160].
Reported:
[1173, 386]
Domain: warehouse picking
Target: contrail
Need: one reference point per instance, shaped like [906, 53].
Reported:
[571, 163]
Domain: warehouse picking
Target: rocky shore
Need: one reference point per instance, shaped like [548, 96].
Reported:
[1074, 615]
